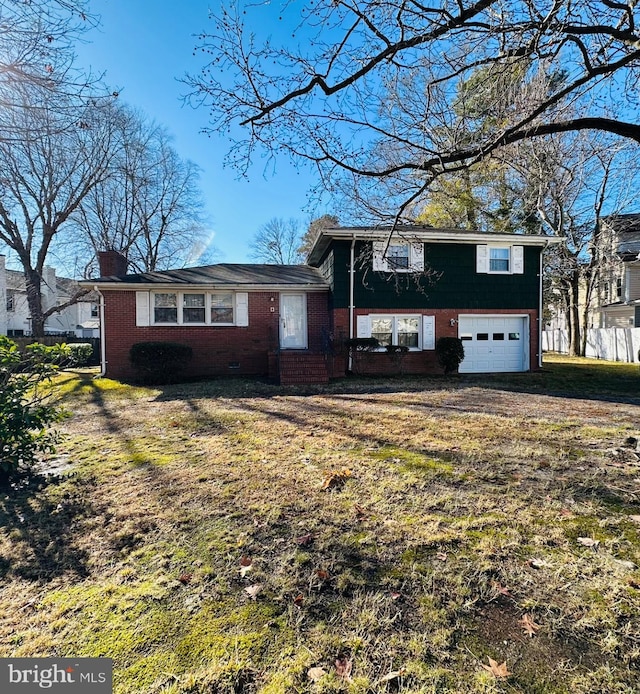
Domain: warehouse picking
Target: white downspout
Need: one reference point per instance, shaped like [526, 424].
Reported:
[103, 346]
[351, 298]
[540, 309]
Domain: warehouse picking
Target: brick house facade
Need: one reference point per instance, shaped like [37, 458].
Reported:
[290, 323]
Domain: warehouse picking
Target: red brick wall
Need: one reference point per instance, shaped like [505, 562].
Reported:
[424, 362]
[215, 349]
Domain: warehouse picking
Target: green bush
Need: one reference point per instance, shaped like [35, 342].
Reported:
[450, 353]
[159, 362]
[81, 352]
[25, 408]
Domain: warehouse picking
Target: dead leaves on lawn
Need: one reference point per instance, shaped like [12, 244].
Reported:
[499, 671]
[336, 479]
[529, 626]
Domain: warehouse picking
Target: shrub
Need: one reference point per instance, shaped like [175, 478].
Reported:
[159, 362]
[80, 353]
[358, 347]
[25, 409]
[397, 353]
[450, 353]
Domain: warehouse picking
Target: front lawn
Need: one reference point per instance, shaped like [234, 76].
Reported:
[400, 535]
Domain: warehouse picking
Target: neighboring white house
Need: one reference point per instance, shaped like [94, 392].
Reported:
[80, 319]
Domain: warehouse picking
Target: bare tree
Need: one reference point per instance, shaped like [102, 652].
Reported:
[573, 182]
[44, 179]
[149, 207]
[278, 242]
[365, 86]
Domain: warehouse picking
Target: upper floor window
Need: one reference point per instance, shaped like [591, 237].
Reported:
[499, 259]
[619, 287]
[398, 256]
[11, 305]
[94, 310]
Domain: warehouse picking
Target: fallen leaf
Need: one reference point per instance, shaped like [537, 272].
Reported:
[316, 673]
[361, 512]
[343, 668]
[588, 542]
[499, 588]
[185, 578]
[246, 564]
[298, 600]
[396, 674]
[253, 590]
[396, 596]
[495, 669]
[322, 574]
[304, 540]
[635, 519]
[441, 556]
[529, 625]
[538, 563]
[336, 479]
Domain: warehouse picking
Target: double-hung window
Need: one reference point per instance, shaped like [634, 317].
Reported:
[398, 256]
[222, 308]
[396, 330]
[499, 260]
[192, 308]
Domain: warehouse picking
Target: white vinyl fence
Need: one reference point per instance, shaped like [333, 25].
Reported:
[612, 344]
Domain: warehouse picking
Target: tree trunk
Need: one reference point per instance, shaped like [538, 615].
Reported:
[574, 322]
[34, 299]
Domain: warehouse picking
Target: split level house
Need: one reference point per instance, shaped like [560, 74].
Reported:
[79, 320]
[291, 322]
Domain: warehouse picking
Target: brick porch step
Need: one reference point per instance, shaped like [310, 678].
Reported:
[301, 368]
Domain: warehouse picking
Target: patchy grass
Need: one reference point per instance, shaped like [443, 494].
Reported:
[392, 535]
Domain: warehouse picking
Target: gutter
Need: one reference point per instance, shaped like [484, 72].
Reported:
[351, 297]
[103, 346]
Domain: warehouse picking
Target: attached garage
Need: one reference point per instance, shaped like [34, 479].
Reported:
[494, 343]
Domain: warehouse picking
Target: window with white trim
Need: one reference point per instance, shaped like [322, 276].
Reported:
[11, 302]
[396, 330]
[499, 259]
[192, 308]
[398, 256]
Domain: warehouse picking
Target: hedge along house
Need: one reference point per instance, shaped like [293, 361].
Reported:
[290, 323]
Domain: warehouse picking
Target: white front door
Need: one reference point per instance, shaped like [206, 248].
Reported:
[293, 321]
[494, 343]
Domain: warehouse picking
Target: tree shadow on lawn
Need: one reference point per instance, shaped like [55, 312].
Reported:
[43, 529]
[614, 383]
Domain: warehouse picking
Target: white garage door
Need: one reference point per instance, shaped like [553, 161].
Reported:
[494, 343]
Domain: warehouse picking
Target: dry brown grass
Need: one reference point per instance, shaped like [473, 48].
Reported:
[461, 512]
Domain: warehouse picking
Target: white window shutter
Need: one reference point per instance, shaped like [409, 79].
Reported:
[242, 309]
[142, 308]
[363, 326]
[517, 260]
[379, 263]
[417, 257]
[428, 332]
[482, 258]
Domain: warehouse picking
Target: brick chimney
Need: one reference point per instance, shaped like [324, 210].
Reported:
[112, 264]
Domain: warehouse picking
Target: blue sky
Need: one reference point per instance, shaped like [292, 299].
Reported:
[144, 47]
